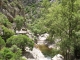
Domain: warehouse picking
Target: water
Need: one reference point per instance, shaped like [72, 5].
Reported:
[37, 54]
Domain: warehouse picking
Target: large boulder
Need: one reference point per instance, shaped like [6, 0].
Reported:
[42, 39]
[58, 57]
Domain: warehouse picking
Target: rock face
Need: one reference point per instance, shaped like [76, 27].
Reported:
[27, 2]
[37, 54]
[42, 39]
[58, 57]
[11, 8]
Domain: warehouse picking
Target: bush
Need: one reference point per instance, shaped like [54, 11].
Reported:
[17, 52]
[9, 54]
[6, 54]
[4, 21]
[2, 43]
[7, 33]
[20, 40]
[19, 20]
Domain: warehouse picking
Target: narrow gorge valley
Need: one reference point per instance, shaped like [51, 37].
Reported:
[39, 29]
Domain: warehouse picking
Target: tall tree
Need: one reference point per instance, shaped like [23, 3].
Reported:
[62, 20]
[2, 43]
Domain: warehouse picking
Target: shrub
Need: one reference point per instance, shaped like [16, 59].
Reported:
[2, 43]
[20, 40]
[7, 33]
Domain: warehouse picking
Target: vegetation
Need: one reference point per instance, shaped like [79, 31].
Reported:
[7, 33]
[13, 53]
[20, 40]
[2, 43]
[19, 20]
[4, 21]
[60, 19]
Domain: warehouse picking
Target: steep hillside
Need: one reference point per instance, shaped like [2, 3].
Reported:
[11, 8]
[27, 2]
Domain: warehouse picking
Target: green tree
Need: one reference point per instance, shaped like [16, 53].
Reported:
[45, 3]
[6, 54]
[7, 33]
[62, 21]
[17, 52]
[4, 21]
[20, 40]
[13, 53]
[19, 20]
[38, 27]
[2, 43]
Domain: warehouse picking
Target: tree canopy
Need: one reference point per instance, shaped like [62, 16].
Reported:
[19, 20]
[20, 40]
[2, 43]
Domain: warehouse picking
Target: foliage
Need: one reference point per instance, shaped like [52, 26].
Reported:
[60, 19]
[13, 53]
[6, 54]
[20, 40]
[36, 15]
[7, 33]
[17, 52]
[2, 43]
[4, 21]
[45, 3]
[38, 27]
[19, 20]
[54, 52]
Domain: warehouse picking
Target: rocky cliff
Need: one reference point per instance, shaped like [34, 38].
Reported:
[11, 8]
[27, 2]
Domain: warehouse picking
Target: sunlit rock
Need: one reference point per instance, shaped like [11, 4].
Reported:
[43, 36]
[21, 31]
[27, 48]
[42, 39]
[58, 57]
[37, 54]
[30, 34]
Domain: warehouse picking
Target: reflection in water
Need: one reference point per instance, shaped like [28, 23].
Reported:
[37, 54]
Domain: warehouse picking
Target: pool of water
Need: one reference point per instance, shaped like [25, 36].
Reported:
[45, 50]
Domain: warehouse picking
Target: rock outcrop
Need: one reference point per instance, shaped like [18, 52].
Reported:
[11, 8]
[58, 57]
[27, 2]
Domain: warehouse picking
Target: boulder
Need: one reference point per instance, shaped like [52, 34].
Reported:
[58, 57]
[42, 39]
